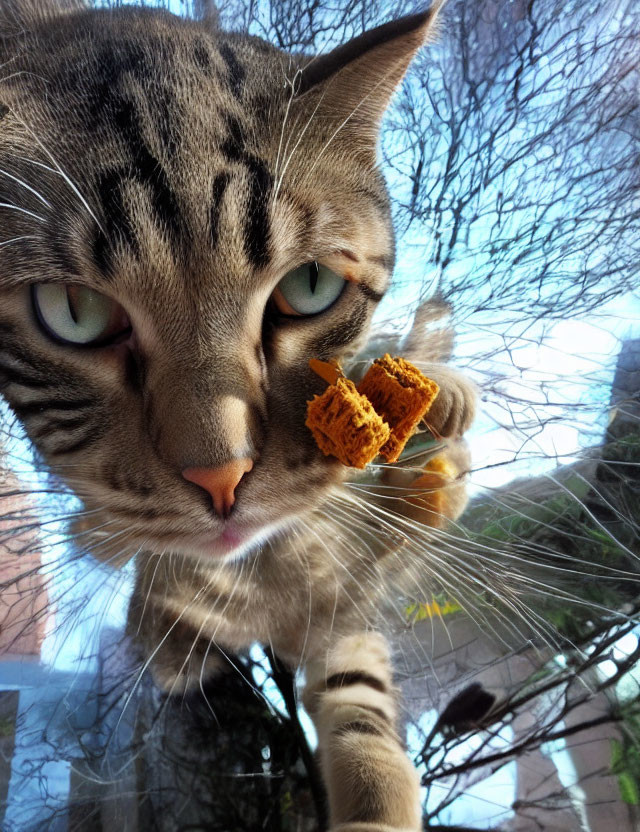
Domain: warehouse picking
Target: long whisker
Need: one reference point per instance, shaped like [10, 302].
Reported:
[297, 144]
[18, 239]
[393, 520]
[26, 186]
[277, 176]
[12, 207]
[57, 169]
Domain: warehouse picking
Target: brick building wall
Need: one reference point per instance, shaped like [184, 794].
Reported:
[23, 594]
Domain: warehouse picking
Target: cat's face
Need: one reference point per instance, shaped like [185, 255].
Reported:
[159, 185]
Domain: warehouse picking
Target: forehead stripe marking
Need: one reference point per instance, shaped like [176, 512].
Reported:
[148, 170]
[201, 56]
[237, 73]
[144, 169]
[217, 195]
[118, 222]
[233, 146]
[256, 226]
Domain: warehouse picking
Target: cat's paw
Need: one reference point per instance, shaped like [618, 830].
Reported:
[455, 406]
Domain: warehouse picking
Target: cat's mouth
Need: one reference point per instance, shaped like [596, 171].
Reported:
[189, 534]
[234, 541]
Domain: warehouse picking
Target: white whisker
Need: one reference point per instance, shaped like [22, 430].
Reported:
[18, 240]
[26, 186]
[57, 169]
[22, 211]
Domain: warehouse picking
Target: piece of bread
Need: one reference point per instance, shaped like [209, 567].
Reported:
[345, 425]
[401, 395]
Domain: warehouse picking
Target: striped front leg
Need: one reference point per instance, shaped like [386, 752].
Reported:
[371, 783]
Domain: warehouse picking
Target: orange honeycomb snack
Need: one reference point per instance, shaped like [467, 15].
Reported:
[402, 395]
[356, 424]
[345, 425]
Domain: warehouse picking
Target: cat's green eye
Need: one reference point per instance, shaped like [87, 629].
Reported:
[308, 290]
[78, 315]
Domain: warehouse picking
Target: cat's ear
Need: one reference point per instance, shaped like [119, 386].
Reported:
[19, 15]
[355, 82]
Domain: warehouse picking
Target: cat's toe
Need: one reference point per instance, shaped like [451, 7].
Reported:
[454, 408]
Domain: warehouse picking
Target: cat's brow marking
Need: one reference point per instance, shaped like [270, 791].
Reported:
[257, 232]
[237, 73]
[349, 255]
[220, 184]
[202, 57]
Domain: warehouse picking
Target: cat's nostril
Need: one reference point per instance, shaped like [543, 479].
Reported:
[220, 483]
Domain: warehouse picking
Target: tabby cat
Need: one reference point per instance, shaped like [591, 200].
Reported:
[188, 217]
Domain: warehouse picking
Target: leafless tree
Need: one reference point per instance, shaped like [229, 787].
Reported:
[512, 159]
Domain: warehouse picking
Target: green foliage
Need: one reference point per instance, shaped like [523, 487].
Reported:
[629, 791]
[625, 761]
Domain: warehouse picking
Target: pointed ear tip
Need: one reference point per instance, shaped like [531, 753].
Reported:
[435, 26]
[428, 16]
[410, 32]
[426, 22]
[435, 6]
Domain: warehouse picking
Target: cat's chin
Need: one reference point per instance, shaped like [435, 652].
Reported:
[232, 543]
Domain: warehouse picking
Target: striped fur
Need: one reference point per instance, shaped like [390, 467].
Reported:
[350, 695]
[182, 172]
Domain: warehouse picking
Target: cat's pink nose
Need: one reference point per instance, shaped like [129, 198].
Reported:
[221, 482]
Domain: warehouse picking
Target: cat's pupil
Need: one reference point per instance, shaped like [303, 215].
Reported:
[313, 276]
[72, 304]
